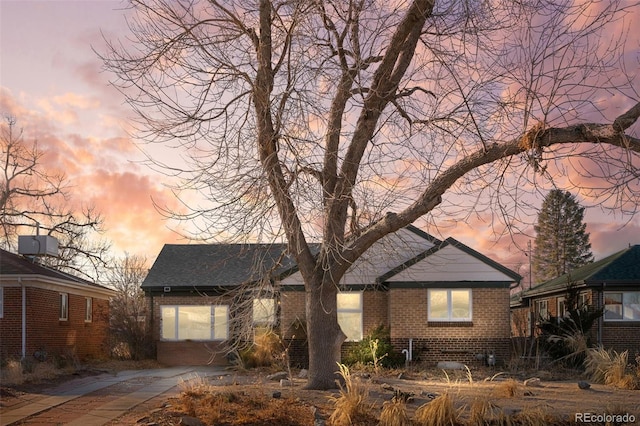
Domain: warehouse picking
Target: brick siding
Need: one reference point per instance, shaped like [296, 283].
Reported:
[405, 311]
[187, 352]
[45, 332]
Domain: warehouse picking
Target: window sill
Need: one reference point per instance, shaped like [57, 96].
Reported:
[450, 323]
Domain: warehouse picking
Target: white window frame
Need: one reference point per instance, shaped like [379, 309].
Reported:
[63, 313]
[88, 306]
[259, 304]
[583, 300]
[212, 329]
[538, 310]
[357, 310]
[561, 306]
[625, 307]
[450, 317]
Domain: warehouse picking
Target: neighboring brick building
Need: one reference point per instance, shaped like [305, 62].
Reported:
[445, 300]
[612, 283]
[45, 312]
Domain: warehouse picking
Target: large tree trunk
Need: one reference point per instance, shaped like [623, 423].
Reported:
[323, 332]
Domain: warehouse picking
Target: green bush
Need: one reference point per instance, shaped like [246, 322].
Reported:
[363, 352]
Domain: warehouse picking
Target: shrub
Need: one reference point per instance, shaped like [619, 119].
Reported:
[439, 412]
[611, 368]
[375, 349]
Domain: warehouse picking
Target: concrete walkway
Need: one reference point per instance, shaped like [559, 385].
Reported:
[167, 378]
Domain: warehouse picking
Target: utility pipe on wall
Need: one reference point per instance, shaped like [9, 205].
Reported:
[24, 318]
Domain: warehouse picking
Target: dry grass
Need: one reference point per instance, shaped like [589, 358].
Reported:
[610, 368]
[11, 374]
[508, 389]
[439, 412]
[351, 406]
[394, 413]
[240, 408]
[481, 411]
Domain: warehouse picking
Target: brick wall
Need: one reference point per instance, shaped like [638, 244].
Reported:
[187, 352]
[45, 332]
[622, 336]
[489, 330]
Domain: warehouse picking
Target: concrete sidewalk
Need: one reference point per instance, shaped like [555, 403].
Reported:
[166, 379]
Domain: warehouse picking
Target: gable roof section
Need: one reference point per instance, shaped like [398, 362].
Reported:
[619, 268]
[438, 249]
[215, 265]
[14, 265]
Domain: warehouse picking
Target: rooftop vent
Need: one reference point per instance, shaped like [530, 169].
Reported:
[38, 245]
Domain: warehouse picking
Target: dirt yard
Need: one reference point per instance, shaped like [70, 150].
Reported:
[252, 398]
[561, 399]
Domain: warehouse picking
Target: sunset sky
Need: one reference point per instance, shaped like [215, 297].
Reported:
[51, 81]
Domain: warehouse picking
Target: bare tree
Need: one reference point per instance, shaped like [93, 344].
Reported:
[34, 200]
[343, 121]
[128, 310]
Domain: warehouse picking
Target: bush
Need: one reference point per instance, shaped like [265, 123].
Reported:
[375, 349]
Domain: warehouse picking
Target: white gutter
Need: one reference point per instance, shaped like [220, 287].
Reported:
[24, 318]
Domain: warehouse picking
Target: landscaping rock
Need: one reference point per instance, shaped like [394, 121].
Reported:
[276, 394]
[278, 376]
[428, 395]
[450, 365]
[190, 421]
[533, 382]
[285, 382]
[584, 385]
[303, 374]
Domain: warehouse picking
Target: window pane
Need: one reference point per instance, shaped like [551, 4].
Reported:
[220, 322]
[438, 305]
[64, 306]
[88, 310]
[194, 322]
[631, 301]
[613, 306]
[168, 324]
[460, 304]
[264, 311]
[351, 325]
[349, 300]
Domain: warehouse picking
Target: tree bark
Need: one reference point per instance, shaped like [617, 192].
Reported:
[324, 334]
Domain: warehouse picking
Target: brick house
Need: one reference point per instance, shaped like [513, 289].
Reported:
[45, 312]
[442, 299]
[612, 283]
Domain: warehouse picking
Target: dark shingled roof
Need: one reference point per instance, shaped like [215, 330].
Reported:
[619, 268]
[215, 265]
[14, 264]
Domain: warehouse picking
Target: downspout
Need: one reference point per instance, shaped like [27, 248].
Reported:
[601, 319]
[24, 319]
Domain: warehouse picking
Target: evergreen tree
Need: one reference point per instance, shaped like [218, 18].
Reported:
[561, 243]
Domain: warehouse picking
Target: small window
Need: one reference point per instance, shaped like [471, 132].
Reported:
[449, 305]
[583, 300]
[350, 314]
[562, 308]
[64, 307]
[264, 311]
[542, 310]
[88, 313]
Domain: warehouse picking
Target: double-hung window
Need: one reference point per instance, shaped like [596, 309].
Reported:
[622, 306]
[542, 310]
[449, 305]
[194, 322]
[64, 307]
[350, 314]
